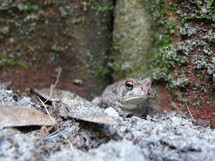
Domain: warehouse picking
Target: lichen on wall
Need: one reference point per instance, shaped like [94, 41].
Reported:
[185, 53]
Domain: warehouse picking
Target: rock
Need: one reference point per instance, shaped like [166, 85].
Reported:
[132, 32]
[111, 112]
[121, 151]
[176, 121]
[16, 145]
[118, 151]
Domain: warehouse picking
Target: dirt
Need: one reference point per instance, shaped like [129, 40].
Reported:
[55, 34]
[42, 77]
[169, 102]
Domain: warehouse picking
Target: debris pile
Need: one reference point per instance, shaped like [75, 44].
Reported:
[167, 136]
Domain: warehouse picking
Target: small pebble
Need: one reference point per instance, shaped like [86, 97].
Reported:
[111, 112]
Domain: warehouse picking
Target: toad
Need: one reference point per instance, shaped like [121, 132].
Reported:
[130, 96]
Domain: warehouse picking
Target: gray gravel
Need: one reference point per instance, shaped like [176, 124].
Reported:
[167, 136]
[170, 136]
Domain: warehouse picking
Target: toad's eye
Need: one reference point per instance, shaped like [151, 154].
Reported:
[129, 85]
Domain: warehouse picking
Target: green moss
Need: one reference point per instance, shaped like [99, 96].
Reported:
[200, 76]
[80, 21]
[209, 17]
[178, 81]
[209, 3]
[28, 7]
[5, 30]
[116, 47]
[160, 10]
[102, 73]
[55, 48]
[5, 61]
[172, 58]
[122, 68]
[17, 62]
[103, 9]
[98, 6]
[167, 56]
[35, 58]
[5, 5]
[204, 10]
[172, 86]
[163, 42]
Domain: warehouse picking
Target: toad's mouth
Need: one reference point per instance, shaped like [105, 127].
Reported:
[135, 102]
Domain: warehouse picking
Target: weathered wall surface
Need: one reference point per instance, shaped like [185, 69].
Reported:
[43, 35]
[184, 61]
[131, 39]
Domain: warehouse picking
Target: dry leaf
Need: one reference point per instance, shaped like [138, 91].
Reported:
[13, 116]
[57, 94]
[82, 109]
[74, 106]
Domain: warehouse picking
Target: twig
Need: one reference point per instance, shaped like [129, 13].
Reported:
[46, 110]
[59, 70]
[70, 144]
[189, 111]
[65, 137]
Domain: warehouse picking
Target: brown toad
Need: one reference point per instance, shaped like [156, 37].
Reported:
[130, 96]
